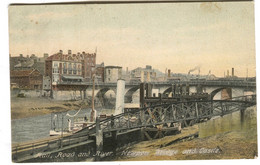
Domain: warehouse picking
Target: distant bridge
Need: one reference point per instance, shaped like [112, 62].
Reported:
[107, 135]
[212, 83]
[209, 86]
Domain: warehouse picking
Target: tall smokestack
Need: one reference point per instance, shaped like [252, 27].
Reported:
[233, 72]
[227, 73]
[169, 73]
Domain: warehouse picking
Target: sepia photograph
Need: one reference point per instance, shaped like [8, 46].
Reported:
[113, 81]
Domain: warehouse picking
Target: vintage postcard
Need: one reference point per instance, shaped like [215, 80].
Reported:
[127, 81]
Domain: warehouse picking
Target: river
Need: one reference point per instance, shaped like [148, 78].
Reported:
[38, 127]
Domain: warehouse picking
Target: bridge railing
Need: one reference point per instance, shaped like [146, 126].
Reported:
[176, 112]
[30, 149]
[194, 82]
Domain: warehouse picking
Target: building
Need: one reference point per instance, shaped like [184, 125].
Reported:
[146, 74]
[100, 72]
[112, 73]
[70, 68]
[18, 60]
[28, 63]
[64, 68]
[46, 83]
[26, 79]
[88, 65]
[46, 86]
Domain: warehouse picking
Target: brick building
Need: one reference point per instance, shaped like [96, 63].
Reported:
[88, 65]
[100, 71]
[26, 79]
[70, 68]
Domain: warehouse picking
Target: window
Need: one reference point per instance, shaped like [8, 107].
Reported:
[64, 70]
[55, 65]
[70, 68]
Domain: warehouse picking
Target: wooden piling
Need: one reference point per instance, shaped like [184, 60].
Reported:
[99, 139]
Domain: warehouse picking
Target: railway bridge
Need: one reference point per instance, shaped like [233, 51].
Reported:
[106, 137]
[212, 87]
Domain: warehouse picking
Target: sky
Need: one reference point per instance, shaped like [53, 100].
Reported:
[176, 36]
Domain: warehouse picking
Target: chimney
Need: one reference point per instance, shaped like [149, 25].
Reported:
[61, 52]
[21, 55]
[69, 51]
[233, 72]
[169, 73]
[227, 73]
[45, 55]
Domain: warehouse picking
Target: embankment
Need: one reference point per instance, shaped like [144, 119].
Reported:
[227, 137]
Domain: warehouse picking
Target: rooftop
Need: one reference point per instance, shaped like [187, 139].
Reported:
[113, 67]
[21, 73]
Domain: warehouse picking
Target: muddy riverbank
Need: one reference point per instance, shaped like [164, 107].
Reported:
[29, 107]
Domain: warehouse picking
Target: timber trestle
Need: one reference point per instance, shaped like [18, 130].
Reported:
[131, 126]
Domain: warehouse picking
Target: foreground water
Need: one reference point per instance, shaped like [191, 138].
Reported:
[37, 127]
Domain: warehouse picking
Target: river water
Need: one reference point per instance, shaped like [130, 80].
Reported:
[37, 127]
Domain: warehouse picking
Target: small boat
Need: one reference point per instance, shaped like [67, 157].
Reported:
[78, 122]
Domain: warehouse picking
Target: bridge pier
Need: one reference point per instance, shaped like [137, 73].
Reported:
[242, 117]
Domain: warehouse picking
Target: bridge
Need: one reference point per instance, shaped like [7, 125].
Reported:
[235, 87]
[106, 137]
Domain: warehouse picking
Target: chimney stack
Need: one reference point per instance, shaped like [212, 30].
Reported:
[227, 73]
[21, 55]
[61, 52]
[169, 73]
[69, 52]
[45, 55]
[233, 72]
